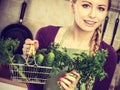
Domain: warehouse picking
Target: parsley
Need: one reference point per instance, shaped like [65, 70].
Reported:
[7, 49]
[91, 66]
[88, 66]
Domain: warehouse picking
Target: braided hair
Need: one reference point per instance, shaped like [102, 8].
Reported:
[94, 43]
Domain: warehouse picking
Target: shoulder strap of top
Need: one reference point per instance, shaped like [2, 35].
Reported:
[64, 36]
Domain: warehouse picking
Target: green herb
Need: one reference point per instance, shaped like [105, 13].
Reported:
[7, 49]
[19, 69]
[88, 66]
[91, 67]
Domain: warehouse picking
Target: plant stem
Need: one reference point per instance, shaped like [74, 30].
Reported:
[20, 73]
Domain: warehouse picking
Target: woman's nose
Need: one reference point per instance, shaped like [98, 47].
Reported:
[92, 13]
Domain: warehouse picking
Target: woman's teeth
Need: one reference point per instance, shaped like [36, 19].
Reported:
[89, 22]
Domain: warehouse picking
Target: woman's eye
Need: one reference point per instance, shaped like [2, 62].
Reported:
[101, 8]
[85, 6]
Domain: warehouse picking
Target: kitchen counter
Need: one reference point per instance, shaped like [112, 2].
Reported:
[6, 84]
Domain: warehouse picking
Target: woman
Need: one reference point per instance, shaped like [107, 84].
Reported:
[84, 34]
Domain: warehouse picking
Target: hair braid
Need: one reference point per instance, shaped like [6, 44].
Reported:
[95, 41]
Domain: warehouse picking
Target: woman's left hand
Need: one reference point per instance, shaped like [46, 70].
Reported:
[70, 80]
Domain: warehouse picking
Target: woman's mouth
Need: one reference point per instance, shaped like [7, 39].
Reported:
[89, 23]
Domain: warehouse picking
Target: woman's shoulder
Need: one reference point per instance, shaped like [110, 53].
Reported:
[49, 31]
[45, 35]
[49, 28]
[104, 45]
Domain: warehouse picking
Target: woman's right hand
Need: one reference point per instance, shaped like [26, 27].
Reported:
[70, 80]
[27, 45]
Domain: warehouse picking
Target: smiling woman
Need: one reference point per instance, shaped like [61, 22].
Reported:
[83, 35]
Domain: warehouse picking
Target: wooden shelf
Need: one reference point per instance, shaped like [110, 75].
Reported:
[13, 82]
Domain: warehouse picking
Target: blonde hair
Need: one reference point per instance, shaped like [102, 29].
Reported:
[95, 41]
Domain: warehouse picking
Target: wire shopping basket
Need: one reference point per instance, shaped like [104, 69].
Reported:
[29, 73]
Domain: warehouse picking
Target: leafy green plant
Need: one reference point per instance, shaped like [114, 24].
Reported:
[91, 66]
[88, 66]
[7, 49]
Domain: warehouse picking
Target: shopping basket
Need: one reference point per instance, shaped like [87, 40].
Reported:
[30, 73]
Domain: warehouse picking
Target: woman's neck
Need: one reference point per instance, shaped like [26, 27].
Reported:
[76, 38]
[80, 35]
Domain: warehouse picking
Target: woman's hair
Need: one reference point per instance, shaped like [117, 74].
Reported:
[95, 41]
[96, 38]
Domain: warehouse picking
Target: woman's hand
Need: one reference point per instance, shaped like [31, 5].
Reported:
[27, 46]
[70, 80]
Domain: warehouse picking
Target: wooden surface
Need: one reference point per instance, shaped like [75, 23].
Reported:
[115, 84]
[12, 82]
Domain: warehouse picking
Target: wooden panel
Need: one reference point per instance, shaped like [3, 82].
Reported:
[115, 85]
[12, 82]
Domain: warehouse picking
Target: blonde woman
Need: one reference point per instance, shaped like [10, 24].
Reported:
[84, 34]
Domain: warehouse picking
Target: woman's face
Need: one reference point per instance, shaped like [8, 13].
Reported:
[89, 14]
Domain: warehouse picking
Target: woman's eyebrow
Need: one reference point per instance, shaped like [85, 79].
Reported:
[91, 3]
[86, 1]
[103, 5]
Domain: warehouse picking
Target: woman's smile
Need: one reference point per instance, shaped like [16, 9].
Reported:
[89, 23]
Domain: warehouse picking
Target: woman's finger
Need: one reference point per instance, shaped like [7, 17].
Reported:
[26, 46]
[66, 81]
[29, 41]
[71, 77]
[70, 80]
[76, 74]
[64, 86]
[36, 44]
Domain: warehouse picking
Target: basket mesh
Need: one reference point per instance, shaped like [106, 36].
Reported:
[30, 73]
